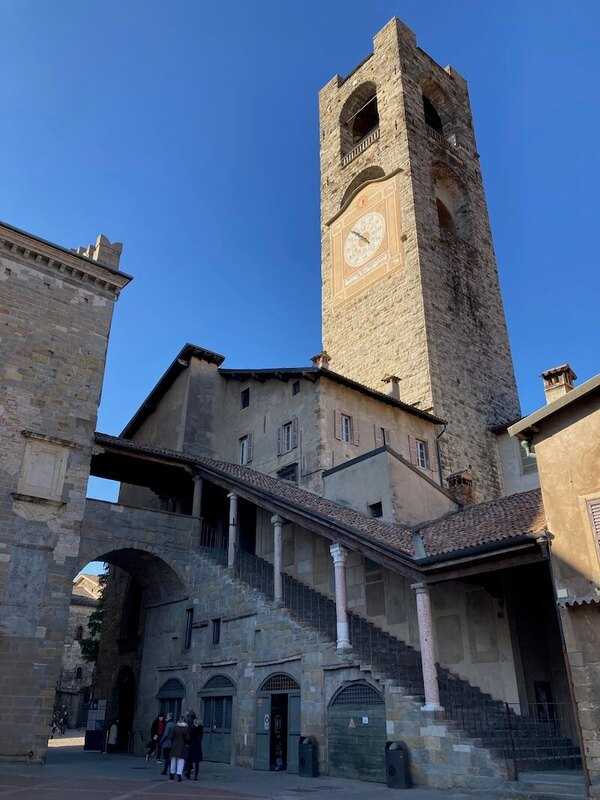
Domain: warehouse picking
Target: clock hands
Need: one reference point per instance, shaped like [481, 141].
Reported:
[360, 236]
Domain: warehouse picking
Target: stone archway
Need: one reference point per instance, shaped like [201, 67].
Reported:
[138, 580]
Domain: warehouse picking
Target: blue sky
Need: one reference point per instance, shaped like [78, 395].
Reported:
[189, 131]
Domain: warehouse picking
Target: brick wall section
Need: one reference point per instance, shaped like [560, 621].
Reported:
[438, 321]
[54, 322]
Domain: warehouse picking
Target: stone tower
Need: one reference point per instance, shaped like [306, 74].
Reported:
[409, 278]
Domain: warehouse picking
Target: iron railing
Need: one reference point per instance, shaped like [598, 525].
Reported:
[535, 736]
[361, 146]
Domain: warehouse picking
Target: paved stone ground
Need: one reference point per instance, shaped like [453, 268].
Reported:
[71, 774]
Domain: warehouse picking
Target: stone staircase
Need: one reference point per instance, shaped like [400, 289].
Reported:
[527, 742]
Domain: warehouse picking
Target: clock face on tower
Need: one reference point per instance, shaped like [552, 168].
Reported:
[364, 239]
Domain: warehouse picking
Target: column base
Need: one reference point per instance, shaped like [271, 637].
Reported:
[343, 645]
[432, 707]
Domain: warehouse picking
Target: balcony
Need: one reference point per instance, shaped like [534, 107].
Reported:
[360, 146]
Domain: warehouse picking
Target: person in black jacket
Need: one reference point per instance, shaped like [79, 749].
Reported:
[156, 732]
[196, 732]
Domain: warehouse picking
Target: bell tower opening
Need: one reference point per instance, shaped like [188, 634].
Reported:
[359, 116]
[432, 118]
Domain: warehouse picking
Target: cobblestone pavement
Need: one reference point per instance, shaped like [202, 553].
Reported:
[71, 774]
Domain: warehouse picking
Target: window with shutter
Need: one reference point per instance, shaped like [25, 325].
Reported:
[422, 453]
[347, 433]
[250, 448]
[337, 424]
[594, 512]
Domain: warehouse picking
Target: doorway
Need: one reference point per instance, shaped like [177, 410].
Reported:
[279, 732]
[278, 724]
[126, 708]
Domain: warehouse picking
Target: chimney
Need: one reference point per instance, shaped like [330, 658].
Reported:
[103, 252]
[321, 360]
[558, 381]
[394, 386]
[460, 485]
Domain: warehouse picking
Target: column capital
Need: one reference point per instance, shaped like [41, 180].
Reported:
[338, 553]
[277, 520]
[420, 588]
[232, 496]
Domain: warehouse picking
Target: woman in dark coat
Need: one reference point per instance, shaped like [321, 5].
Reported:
[179, 749]
[196, 733]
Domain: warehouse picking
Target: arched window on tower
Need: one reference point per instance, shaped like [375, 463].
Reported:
[445, 218]
[432, 118]
[451, 202]
[359, 116]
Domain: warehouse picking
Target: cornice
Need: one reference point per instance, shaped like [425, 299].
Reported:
[38, 252]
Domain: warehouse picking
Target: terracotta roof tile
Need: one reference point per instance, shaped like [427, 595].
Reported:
[484, 523]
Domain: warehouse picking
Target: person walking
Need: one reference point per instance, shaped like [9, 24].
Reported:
[195, 750]
[156, 731]
[179, 749]
[166, 742]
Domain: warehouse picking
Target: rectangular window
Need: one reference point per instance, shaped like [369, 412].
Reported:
[245, 398]
[376, 509]
[216, 631]
[422, 453]
[287, 437]
[289, 473]
[346, 428]
[296, 387]
[246, 449]
[528, 459]
[189, 621]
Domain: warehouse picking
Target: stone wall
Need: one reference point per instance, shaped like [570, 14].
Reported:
[259, 640]
[437, 322]
[56, 313]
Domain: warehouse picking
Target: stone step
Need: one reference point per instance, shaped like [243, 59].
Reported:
[535, 785]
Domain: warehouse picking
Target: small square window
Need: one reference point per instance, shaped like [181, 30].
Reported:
[346, 428]
[422, 451]
[376, 509]
[216, 631]
[296, 387]
[289, 473]
[245, 398]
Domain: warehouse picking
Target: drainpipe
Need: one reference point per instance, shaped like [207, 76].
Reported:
[437, 452]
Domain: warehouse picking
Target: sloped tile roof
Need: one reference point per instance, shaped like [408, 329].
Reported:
[494, 521]
[396, 536]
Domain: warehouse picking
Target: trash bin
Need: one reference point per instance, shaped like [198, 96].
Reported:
[308, 757]
[397, 773]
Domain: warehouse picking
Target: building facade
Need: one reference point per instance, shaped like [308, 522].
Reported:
[325, 551]
[76, 676]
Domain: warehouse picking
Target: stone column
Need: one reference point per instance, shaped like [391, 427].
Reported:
[233, 529]
[277, 558]
[339, 554]
[424, 618]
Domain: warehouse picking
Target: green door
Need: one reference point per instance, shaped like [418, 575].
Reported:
[216, 743]
[356, 734]
[262, 756]
[293, 737]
